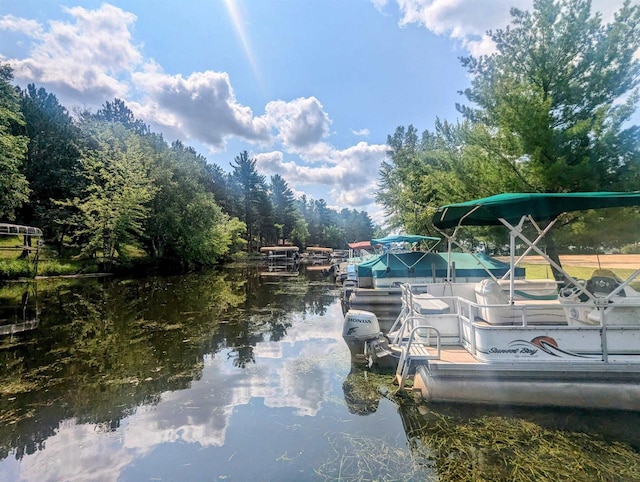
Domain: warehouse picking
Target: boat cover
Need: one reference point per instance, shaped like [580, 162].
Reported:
[541, 206]
[360, 245]
[400, 265]
[402, 238]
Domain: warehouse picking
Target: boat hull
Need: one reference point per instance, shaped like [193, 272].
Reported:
[595, 388]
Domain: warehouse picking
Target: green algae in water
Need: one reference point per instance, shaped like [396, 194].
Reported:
[485, 449]
[450, 443]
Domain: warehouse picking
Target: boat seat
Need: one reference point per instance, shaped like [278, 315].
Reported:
[427, 304]
[531, 289]
[495, 308]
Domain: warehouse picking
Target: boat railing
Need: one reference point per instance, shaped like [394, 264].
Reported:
[418, 347]
[465, 317]
[605, 318]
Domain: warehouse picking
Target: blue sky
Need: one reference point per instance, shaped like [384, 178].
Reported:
[310, 88]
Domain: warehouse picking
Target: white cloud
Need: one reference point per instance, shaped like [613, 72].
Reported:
[301, 122]
[14, 24]
[379, 4]
[81, 61]
[361, 133]
[467, 21]
[202, 106]
[350, 174]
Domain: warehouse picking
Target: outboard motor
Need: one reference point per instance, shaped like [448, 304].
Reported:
[359, 327]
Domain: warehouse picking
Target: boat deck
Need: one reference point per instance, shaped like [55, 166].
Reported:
[455, 355]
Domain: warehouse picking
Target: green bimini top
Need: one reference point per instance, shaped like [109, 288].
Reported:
[421, 264]
[402, 238]
[541, 206]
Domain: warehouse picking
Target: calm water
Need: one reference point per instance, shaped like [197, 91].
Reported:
[231, 375]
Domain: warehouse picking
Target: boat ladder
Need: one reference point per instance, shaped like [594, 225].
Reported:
[418, 347]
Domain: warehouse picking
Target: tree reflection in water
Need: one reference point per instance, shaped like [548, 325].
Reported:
[105, 347]
[166, 362]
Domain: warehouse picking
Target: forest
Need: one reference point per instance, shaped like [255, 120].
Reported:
[101, 185]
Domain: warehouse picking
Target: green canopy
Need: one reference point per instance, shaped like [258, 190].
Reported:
[402, 238]
[541, 206]
[420, 264]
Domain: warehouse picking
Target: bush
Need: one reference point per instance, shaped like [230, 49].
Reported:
[631, 249]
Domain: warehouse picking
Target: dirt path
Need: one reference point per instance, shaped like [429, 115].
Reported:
[629, 261]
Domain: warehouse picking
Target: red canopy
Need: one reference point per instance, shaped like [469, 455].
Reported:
[360, 245]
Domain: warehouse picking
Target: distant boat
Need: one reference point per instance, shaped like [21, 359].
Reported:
[281, 253]
[281, 260]
[317, 254]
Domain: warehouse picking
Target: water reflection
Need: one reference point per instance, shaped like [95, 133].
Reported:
[166, 359]
[476, 442]
[19, 310]
[189, 378]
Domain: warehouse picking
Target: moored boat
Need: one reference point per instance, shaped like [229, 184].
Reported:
[509, 341]
[378, 278]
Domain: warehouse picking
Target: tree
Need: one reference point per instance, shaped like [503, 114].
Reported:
[550, 112]
[559, 91]
[249, 188]
[185, 222]
[14, 189]
[300, 233]
[117, 111]
[355, 226]
[52, 165]
[283, 200]
[561, 87]
[115, 203]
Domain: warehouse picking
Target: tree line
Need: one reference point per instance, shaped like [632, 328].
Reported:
[103, 185]
[551, 110]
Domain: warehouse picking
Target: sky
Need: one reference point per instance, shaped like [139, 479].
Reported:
[309, 88]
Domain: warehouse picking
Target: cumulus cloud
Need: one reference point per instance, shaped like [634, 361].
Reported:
[350, 174]
[463, 20]
[467, 21]
[301, 123]
[15, 24]
[80, 61]
[201, 106]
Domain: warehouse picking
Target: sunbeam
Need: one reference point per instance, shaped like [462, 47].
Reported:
[235, 13]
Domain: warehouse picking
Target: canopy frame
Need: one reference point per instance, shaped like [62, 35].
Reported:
[547, 207]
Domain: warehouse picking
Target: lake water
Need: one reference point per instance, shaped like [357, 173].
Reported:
[230, 375]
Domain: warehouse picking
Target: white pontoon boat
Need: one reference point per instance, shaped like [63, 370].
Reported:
[511, 341]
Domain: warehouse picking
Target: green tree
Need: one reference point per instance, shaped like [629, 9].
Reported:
[115, 203]
[550, 112]
[355, 226]
[52, 165]
[249, 189]
[14, 189]
[300, 233]
[117, 111]
[185, 222]
[559, 92]
[283, 200]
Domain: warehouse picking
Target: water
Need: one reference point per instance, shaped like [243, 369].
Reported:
[230, 375]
